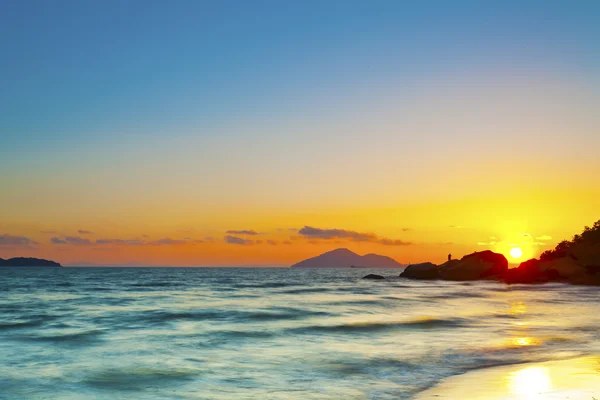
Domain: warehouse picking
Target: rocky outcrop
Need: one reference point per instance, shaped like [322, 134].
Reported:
[373, 276]
[424, 270]
[479, 265]
[475, 266]
[563, 269]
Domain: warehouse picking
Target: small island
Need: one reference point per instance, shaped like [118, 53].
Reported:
[28, 262]
[344, 258]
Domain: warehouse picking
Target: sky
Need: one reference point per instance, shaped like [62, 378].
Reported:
[201, 133]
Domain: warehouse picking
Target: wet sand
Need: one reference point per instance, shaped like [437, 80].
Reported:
[574, 379]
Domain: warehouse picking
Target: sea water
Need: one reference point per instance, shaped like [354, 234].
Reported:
[271, 333]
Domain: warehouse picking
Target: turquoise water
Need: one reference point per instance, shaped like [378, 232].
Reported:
[175, 333]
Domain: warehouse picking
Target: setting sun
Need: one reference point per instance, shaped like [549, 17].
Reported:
[516, 252]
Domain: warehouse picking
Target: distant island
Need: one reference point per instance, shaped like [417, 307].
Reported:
[344, 258]
[576, 261]
[28, 262]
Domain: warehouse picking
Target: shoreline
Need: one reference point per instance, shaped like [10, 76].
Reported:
[573, 379]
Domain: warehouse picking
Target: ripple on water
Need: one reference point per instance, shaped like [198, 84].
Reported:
[366, 327]
[134, 379]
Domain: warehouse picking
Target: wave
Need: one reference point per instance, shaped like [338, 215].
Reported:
[422, 323]
[458, 295]
[139, 378]
[281, 313]
[21, 324]
[157, 284]
[263, 285]
[83, 337]
[306, 290]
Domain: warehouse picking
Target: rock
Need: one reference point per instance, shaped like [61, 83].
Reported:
[479, 265]
[530, 272]
[373, 276]
[561, 269]
[424, 270]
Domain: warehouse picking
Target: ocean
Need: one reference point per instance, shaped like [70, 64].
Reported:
[271, 333]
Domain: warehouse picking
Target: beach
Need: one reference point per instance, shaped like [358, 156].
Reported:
[574, 379]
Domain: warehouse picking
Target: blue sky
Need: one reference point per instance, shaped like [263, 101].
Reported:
[75, 71]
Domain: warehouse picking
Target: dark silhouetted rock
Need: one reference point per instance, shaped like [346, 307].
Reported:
[344, 258]
[479, 265]
[27, 262]
[373, 276]
[561, 269]
[424, 270]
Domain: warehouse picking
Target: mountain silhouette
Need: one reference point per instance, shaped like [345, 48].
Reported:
[344, 258]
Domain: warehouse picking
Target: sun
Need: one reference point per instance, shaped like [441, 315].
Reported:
[516, 252]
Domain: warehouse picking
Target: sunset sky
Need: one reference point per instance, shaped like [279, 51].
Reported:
[198, 133]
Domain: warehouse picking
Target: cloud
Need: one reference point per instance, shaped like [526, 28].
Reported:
[316, 233]
[493, 238]
[544, 237]
[406, 229]
[393, 242]
[137, 242]
[272, 242]
[525, 235]
[457, 226]
[286, 242]
[243, 232]
[328, 234]
[486, 243]
[19, 241]
[85, 232]
[168, 241]
[122, 242]
[237, 240]
[72, 240]
[48, 232]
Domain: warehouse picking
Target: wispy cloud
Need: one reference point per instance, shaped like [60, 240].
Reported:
[168, 241]
[457, 226]
[243, 232]
[328, 234]
[17, 241]
[544, 237]
[286, 242]
[272, 242]
[393, 242]
[121, 242]
[317, 233]
[72, 240]
[525, 235]
[237, 240]
[85, 232]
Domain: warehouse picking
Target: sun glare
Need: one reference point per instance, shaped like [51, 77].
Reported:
[516, 252]
[530, 382]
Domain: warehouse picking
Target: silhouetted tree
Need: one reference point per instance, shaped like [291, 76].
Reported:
[563, 249]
